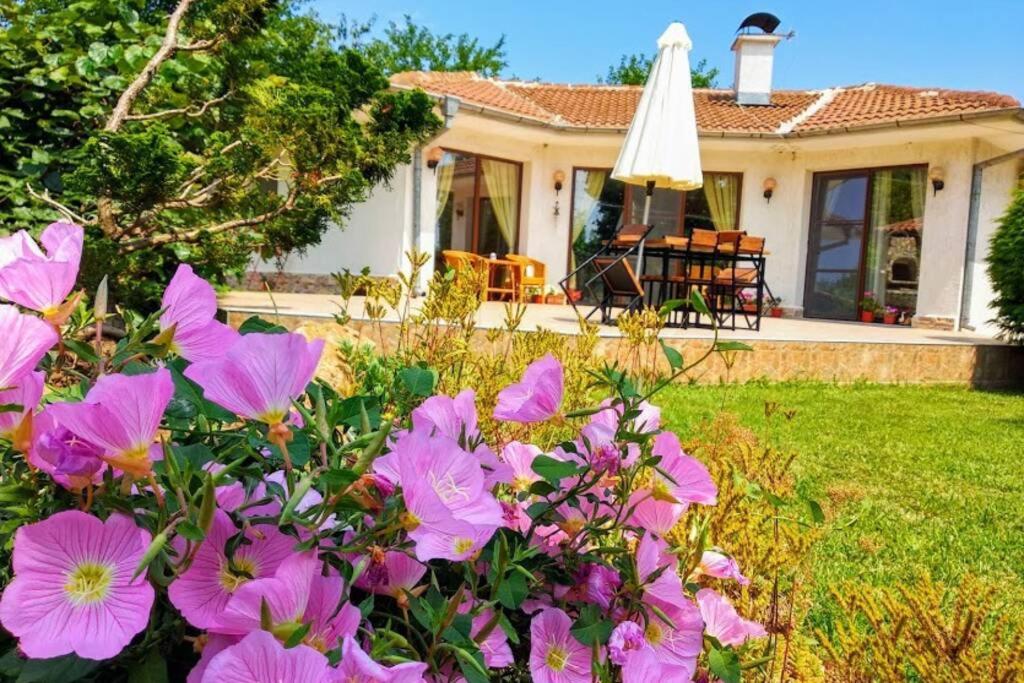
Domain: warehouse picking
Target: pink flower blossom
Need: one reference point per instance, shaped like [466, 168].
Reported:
[24, 340]
[722, 622]
[536, 397]
[691, 482]
[71, 462]
[677, 644]
[73, 589]
[393, 573]
[121, 415]
[448, 416]
[212, 645]
[190, 305]
[598, 584]
[648, 420]
[357, 667]
[625, 638]
[258, 377]
[656, 516]
[36, 280]
[16, 425]
[721, 567]
[495, 648]
[519, 457]
[555, 654]
[202, 592]
[260, 658]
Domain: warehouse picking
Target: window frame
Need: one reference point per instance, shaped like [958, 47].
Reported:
[477, 175]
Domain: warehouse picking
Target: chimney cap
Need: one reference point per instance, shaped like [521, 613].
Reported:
[765, 21]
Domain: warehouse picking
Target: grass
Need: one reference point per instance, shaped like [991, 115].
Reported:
[914, 478]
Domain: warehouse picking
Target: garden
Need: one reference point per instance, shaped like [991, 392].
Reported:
[183, 500]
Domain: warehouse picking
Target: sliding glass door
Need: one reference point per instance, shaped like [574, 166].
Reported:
[478, 201]
[865, 236]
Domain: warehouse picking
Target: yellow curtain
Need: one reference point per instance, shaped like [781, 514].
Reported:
[503, 188]
[445, 174]
[585, 203]
[722, 193]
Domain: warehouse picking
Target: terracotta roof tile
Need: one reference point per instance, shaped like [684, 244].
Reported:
[801, 111]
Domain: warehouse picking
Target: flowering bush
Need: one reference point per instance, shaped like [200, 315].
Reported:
[192, 501]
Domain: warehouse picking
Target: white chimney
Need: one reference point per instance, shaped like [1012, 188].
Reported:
[754, 56]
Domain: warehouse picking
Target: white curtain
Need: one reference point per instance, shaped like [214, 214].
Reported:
[878, 244]
[445, 174]
[584, 204]
[722, 193]
[502, 180]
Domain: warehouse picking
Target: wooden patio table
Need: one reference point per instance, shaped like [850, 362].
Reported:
[494, 266]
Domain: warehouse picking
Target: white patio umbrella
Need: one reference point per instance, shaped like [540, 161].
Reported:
[661, 145]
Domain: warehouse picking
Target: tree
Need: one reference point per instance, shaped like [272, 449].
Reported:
[1006, 270]
[633, 70]
[408, 47]
[195, 130]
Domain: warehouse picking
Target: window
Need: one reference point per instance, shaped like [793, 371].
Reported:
[600, 205]
[477, 204]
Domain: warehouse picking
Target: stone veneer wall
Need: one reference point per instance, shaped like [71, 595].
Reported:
[988, 366]
[298, 283]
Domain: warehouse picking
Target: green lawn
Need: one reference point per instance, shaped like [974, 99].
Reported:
[916, 477]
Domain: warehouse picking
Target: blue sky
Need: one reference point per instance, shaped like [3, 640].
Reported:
[972, 44]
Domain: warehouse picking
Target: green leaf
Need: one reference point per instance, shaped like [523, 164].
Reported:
[724, 665]
[56, 670]
[11, 408]
[81, 349]
[669, 306]
[698, 303]
[817, 514]
[418, 381]
[732, 346]
[472, 665]
[512, 591]
[152, 669]
[674, 358]
[591, 629]
[258, 324]
[553, 470]
[190, 531]
[542, 488]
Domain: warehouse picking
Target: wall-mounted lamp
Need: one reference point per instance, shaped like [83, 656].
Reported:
[434, 157]
[559, 178]
[938, 177]
[769, 186]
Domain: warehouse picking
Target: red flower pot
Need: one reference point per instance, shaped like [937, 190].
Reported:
[776, 312]
[555, 299]
[867, 316]
[537, 299]
[890, 318]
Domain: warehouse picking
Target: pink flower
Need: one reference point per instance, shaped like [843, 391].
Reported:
[495, 648]
[536, 397]
[555, 655]
[393, 573]
[16, 425]
[121, 415]
[691, 482]
[722, 621]
[73, 589]
[721, 567]
[519, 457]
[71, 462]
[190, 305]
[357, 667]
[36, 280]
[24, 340]
[597, 583]
[626, 638]
[656, 516]
[203, 591]
[259, 658]
[258, 377]
[297, 594]
[451, 417]
[648, 420]
[212, 645]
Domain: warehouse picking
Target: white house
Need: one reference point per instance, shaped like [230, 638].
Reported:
[872, 187]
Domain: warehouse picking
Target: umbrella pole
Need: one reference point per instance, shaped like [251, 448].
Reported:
[647, 216]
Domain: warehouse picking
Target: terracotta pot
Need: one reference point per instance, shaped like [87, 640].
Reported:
[890, 318]
[554, 299]
[867, 316]
[777, 312]
[575, 295]
[750, 308]
[537, 299]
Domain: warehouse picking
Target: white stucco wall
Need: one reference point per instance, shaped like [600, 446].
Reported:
[380, 230]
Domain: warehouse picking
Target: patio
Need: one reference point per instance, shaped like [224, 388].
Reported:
[784, 349]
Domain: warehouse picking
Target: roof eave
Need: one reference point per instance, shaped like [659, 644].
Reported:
[1009, 112]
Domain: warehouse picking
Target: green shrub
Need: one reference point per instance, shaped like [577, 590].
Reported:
[1006, 269]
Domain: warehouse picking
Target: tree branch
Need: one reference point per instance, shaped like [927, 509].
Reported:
[191, 112]
[60, 208]
[227, 226]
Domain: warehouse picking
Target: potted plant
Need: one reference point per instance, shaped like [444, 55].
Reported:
[775, 306]
[747, 302]
[535, 295]
[868, 307]
[891, 315]
[554, 296]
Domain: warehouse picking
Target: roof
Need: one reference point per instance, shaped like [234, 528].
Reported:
[791, 112]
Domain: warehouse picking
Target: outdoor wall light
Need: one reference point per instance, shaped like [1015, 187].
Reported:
[769, 186]
[559, 178]
[938, 177]
[434, 157]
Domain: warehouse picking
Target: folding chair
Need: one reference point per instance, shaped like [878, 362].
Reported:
[730, 283]
[620, 282]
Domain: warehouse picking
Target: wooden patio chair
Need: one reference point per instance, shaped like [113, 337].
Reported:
[620, 282]
[730, 283]
[532, 273]
[466, 263]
